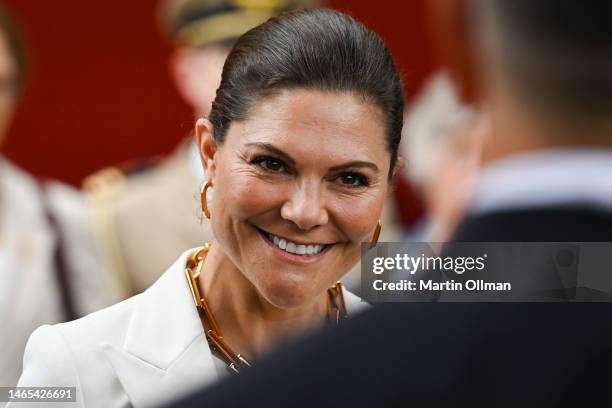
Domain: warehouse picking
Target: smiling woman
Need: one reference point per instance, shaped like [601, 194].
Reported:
[305, 172]
[299, 149]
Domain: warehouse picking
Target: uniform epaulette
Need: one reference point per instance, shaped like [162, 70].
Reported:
[108, 179]
[103, 181]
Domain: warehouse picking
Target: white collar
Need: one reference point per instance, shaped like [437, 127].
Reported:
[164, 353]
[546, 178]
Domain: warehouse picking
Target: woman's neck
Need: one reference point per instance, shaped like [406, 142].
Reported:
[248, 322]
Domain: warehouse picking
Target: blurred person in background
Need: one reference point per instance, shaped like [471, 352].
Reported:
[145, 214]
[442, 145]
[300, 150]
[543, 68]
[48, 267]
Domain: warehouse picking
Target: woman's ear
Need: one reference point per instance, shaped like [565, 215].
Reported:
[207, 146]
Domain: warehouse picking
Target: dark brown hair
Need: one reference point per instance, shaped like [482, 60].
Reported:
[317, 49]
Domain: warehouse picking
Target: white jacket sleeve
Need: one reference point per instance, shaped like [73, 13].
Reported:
[48, 362]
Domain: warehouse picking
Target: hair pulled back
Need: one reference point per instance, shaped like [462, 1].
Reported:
[317, 49]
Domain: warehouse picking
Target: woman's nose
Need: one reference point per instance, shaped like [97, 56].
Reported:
[306, 207]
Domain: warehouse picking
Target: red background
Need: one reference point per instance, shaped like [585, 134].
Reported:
[99, 92]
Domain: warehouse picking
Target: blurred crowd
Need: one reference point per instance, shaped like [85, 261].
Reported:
[504, 128]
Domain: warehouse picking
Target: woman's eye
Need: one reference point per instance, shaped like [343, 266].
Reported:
[270, 164]
[353, 180]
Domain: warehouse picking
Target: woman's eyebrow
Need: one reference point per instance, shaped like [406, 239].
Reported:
[354, 164]
[275, 150]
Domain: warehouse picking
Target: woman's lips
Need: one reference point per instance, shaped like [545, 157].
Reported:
[291, 257]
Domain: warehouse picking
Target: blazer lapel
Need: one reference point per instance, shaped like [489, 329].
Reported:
[165, 353]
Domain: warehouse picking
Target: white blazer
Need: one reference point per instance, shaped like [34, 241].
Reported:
[144, 351]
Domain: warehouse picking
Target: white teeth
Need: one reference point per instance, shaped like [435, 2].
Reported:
[294, 248]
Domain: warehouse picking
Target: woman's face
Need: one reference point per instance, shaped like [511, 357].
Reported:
[297, 187]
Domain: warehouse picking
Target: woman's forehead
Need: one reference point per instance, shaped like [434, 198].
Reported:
[305, 116]
[338, 106]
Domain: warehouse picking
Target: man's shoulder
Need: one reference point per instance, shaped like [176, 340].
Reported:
[579, 223]
[152, 197]
[154, 210]
[126, 179]
[140, 179]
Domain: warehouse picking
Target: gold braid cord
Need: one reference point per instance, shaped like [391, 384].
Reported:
[336, 311]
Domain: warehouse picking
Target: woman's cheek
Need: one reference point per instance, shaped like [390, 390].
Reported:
[358, 217]
[252, 196]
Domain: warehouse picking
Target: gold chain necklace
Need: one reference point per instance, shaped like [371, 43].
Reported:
[336, 311]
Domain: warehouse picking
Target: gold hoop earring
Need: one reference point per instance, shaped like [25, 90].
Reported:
[375, 235]
[203, 200]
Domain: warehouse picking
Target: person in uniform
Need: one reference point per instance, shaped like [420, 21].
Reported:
[49, 271]
[146, 213]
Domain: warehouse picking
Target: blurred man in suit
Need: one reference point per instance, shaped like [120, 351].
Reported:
[543, 67]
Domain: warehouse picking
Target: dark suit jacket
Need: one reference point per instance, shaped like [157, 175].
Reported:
[452, 354]
[558, 224]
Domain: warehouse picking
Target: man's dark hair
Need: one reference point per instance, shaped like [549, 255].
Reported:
[554, 52]
[14, 40]
[316, 49]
